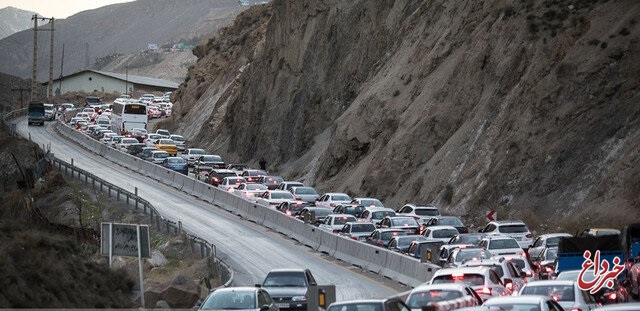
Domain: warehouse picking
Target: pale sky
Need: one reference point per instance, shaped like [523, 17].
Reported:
[57, 8]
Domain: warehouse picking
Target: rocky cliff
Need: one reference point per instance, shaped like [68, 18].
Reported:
[529, 107]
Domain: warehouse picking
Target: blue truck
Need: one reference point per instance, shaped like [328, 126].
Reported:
[571, 251]
[35, 113]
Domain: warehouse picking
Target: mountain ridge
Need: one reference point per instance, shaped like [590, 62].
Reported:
[523, 108]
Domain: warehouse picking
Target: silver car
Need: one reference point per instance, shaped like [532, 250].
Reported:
[239, 298]
[307, 194]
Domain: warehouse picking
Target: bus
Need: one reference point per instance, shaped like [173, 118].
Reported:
[127, 115]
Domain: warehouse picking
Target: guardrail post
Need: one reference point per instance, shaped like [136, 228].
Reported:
[158, 222]
[202, 251]
[180, 225]
[191, 241]
[109, 190]
[150, 214]
[71, 161]
[118, 194]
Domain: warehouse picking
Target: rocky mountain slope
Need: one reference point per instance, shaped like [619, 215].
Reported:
[111, 30]
[13, 20]
[527, 107]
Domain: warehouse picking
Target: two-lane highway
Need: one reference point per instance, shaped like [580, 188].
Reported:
[251, 250]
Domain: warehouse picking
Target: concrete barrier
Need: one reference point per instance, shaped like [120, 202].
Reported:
[328, 241]
[270, 218]
[305, 233]
[348, 250]
[375, 256]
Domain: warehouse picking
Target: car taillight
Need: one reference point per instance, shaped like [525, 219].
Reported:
[548, 269]
[613, 296]
[529, 236]
[379, 243]
[575, 309]
[509, 286]
[230, 189]
[332, 204]
[416, 217]
[336, 230]
[273, 203]
[288, 213]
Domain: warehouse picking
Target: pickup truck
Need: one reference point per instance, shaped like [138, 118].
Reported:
[571, 251]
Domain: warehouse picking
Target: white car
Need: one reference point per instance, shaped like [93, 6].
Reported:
[157, 156]
[331, 199]
[250, 190]
[484, 281]
[426, 293]
[152, 138]
[179, 140]
[544, 241]
[509, 273]
[84, 116]
[273, 198]
[513, 228]
[421, 213]
[367, 202]
[307, 194]
[375, 215]
[538, 303]
[192, 154]
[502, 246]
[566, 293]
[440, 233]
[335, 222]
[231, 183]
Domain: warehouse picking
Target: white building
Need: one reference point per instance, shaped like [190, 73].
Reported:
[108, 82]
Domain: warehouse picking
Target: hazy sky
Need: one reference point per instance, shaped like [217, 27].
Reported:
[57, 8]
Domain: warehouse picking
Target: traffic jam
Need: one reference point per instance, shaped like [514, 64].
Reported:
[501, 266]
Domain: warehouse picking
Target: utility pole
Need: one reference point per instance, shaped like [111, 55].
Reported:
[60, 79]
[50, 98]
[34, 76]
[34, 73]
[21, 90]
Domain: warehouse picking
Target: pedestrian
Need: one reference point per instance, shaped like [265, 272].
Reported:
[263, 164]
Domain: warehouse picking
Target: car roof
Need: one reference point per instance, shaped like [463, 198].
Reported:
[233, 289]
[553, 235]
[424, 287]
[336, 193]
[465, 270]
[551, 282]
[441, 228]
[498, 237]
[508, 222]
[287, 270]
[389, 229]
[521, 299]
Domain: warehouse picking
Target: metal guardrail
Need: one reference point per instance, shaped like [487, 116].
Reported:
[207, 250]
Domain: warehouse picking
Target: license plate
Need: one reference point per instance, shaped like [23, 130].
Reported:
[282, 305]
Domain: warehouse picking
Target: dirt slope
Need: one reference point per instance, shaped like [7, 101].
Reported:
[528, 108]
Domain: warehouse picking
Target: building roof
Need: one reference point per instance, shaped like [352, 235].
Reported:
[130, 78]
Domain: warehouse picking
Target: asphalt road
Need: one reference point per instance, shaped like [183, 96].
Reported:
[251, 250]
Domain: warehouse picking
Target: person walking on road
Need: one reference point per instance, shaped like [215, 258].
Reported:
[263, 164]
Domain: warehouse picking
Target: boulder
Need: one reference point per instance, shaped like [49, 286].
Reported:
[157, 259]
[182, 292]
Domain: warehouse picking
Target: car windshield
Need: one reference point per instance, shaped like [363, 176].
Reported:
[212, 158]
[557, 292]
[256, 187]
[472, 255]
[322, 212]
[417, 300]
[305, 190]
[470, 239]
[513, 229]
[551, 254]
[513, 306]
[285, 279]
[282, 195]
[405, 241]
[368, 227]
[450, 221]
[382, 214]
[227, 300]
[177, 161]
[340, 197]
[166, 142]
[404, 221]
[426, 212]
[177, 138]
[197, 151]
[371, 202]
[160, 155]
[503, 244]
[353, 210]
[341, 220]
[471, 279]
[444, 233]
[390, 234]
[358, 306]
[553, 241]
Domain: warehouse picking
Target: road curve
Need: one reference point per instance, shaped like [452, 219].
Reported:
[251, 250]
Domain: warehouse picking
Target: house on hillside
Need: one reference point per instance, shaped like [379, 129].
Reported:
[109, 82]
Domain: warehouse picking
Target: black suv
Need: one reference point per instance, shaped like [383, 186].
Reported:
[288, 287]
